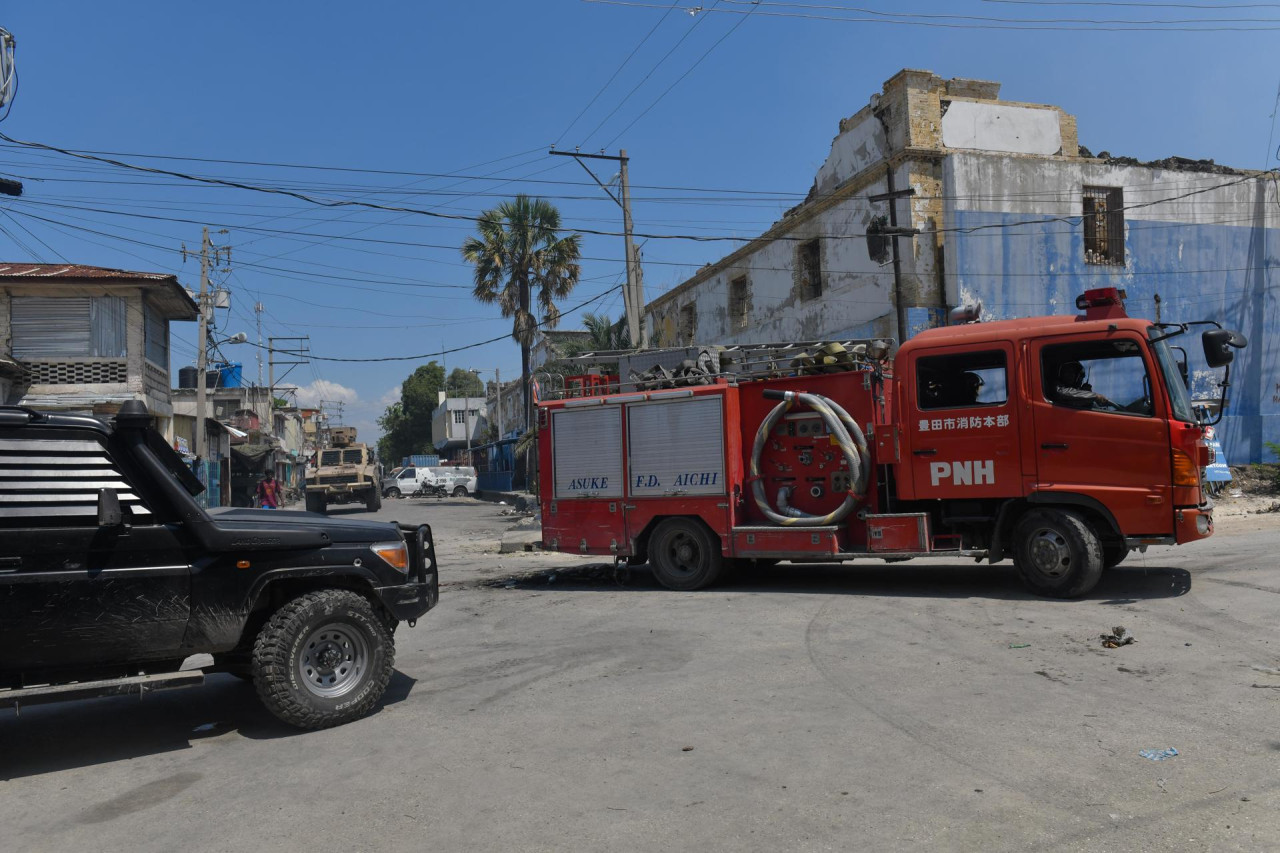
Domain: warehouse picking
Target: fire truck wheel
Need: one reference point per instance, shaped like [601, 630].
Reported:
[684, 555]
[1057, 553]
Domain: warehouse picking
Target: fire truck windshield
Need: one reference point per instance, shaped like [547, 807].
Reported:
[1179, 399]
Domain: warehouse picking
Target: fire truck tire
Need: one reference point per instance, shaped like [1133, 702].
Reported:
[1057, 553]
[685, 555]
[1113, 555]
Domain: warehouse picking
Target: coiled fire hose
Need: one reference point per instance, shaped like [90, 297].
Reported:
[847, 435]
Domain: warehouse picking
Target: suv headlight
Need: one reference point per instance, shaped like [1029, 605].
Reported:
[394, 554]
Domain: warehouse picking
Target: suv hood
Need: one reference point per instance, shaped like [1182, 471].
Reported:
[339, 529]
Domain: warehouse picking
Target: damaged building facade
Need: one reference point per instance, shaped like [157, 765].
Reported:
[996, 203]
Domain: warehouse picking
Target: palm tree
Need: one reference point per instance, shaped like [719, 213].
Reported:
[518, 250]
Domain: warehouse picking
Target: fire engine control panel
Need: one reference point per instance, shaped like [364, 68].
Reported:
[801, 454]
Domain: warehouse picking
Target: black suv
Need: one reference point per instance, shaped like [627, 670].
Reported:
[111, 575]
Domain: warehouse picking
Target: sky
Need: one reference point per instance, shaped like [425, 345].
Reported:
[451, 107]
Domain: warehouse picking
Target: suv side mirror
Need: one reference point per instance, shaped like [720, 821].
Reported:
[1218, 344]
[109, 514]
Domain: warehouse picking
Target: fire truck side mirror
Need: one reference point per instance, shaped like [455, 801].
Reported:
[1218, 346]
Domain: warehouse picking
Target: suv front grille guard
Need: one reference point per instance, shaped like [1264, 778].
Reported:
[422, 558]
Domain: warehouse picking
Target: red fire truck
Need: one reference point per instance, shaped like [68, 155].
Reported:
[1060, 442]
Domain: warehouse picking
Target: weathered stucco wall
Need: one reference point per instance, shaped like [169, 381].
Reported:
[1211, 254]
[857, 292]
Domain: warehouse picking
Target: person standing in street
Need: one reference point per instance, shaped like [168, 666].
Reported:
[268, 492]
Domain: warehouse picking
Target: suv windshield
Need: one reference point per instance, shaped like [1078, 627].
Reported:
[1178, 396]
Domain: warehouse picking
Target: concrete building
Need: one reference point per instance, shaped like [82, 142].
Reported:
[1008, 211]
[87, 339]
[453, 419]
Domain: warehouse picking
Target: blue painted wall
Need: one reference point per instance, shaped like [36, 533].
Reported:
[1226, 273]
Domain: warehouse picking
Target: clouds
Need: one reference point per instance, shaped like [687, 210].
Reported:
[311, 394]
[390, 398]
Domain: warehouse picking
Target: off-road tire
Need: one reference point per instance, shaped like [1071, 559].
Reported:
[392, 492]
[288, 679]
[373, 501]
[315, 502]
[459, 491]
[685, 555]
[1056, 552]
[1113, 555]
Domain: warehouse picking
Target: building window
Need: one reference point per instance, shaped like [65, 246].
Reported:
[688, 323]
[809, 265]
[156, 336]
[1103, 225]
[68, 327]
[739, 303]
[459, 416]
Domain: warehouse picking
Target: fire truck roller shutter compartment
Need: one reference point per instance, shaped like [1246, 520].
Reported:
[676, 447]
[587, 452]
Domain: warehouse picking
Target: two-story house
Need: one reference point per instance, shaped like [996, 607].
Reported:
[86, 339]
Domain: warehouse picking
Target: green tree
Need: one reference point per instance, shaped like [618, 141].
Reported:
[406, 425]
[518, 253]
[464, 383]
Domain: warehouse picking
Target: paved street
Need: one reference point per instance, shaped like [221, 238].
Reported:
[820, 708]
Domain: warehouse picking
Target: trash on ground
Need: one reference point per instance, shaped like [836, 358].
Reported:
[502, 503]
[1117, 638]
[686, 749]
[1158, 754]
[1019, 645]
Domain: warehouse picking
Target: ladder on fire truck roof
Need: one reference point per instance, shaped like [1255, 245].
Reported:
[637, 370]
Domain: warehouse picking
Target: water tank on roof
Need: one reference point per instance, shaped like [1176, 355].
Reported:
[187, 377]
[230, 375]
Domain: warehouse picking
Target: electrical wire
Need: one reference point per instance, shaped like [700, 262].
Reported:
[733, 29]
[450, 350]
[650, 73]
[615, 74]
[1150, 28]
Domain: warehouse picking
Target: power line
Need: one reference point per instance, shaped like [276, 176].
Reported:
[646, 77]
[679, 79]
[958, 26]
[989, 19]
[538, 324]
[615, 73]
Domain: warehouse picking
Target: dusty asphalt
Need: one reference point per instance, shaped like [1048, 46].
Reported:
[886, 707]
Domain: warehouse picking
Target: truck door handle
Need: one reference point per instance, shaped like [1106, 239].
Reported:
[929, 451]
[1054, 446]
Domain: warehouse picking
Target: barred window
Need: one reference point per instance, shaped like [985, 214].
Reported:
[739, 303]
[1104, 225]
[809, 264]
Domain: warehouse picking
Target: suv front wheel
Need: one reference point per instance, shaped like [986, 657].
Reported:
[323, 659]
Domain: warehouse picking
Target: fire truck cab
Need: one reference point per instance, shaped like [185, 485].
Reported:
[1060, 442]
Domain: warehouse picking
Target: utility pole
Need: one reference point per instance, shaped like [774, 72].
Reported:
[209, 256]
[498, 379]
[300, 352]
[633, 295]
[258, 308]
[894, 232]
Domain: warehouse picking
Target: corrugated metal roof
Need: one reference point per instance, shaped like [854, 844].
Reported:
[163, 288]
[77, 271]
